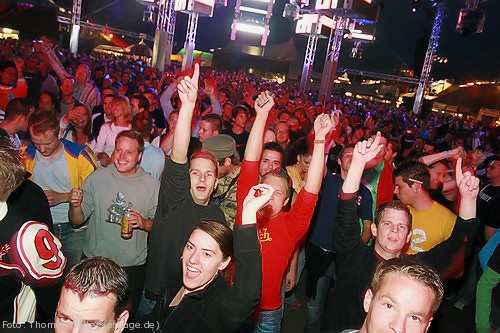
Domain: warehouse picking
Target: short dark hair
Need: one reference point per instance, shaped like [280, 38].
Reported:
[100, 276]
[274, 146]
[242, 108]
[412, 268]
[395, 205]
[131, 134]
[11, 168]
[215, 121]
[413, 171]
[16, 107]
[43, 121]
[143, 102]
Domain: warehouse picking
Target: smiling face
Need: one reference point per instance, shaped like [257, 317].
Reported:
[402, 304]
[126, 156]
[92, 313]
[202, 173]
[270, 160]
[202, 259]
[392, 233]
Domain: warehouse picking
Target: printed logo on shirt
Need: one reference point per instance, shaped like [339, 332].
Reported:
[422, 237]
[264, 235]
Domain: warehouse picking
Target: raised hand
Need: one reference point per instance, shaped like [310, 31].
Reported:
[366, 150]
[264, 103]
[322, 126]
[188, 87]
[258, 197]
[467, 183]
[76, 197]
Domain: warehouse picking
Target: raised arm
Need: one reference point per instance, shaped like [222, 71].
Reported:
[253, 149]
[431, 159]
[364, 151]
[188, 93]
[468, 186]
[322, 127]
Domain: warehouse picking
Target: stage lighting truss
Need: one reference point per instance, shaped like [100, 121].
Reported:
[251, 18]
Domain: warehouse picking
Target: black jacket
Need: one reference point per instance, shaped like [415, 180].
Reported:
[218, 308]
[356, 262]
[175, 217]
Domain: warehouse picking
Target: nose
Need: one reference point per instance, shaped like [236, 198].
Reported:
[202, 177]
[194, 258]
[396, 191]
[397, 324]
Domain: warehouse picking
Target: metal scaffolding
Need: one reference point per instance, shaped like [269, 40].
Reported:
[189, 44]
[75, 25]
[332, 55]
[312, 42]
[164, 34]
[423, 83]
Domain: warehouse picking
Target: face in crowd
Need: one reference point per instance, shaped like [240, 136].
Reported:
[402, 304]
[126, 156]
[202, 260]
[203, 176]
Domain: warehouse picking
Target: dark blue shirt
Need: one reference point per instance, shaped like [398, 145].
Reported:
[322, 224]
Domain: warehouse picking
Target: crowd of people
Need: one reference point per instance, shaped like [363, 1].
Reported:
[192, 201]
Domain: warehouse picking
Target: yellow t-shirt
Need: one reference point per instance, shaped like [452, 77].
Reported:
[430, 227]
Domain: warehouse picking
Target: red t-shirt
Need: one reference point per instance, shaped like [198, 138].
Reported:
[278, 236]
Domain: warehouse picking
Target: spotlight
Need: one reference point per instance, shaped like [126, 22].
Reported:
[415, 5]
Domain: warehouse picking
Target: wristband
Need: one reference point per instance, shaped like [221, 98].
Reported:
[319, 141]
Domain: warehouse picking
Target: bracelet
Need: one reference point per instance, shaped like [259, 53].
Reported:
[319, 141]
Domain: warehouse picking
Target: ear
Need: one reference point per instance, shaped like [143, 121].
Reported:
[140, 156]
[373, 228]
[367, 301]
[216, 132]
[429, 324]
[224, 263]
[215, 185]
[408, 238]
[121, 321]
[227, 161]
[298, 157]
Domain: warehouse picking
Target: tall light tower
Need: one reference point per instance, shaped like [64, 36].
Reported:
[423, 83]
[194, 8]
[164, 34]
[75, 25]
[332, 54]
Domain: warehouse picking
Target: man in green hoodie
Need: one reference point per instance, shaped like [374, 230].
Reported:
[123, 191]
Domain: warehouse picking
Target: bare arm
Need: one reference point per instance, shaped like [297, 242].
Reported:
[468, 185]
[366, 234]
[253, 149]
[188, 92]
[322, 127]
[431, 159]
[364, 151]
[76, 216]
